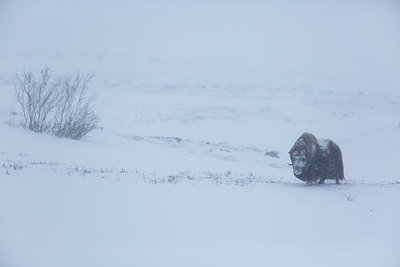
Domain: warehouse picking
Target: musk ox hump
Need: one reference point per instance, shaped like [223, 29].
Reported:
[324, 143]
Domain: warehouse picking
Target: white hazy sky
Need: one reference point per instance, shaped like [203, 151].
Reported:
[360, 37]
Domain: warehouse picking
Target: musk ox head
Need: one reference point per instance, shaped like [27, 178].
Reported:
[299, 161]
[302, 155]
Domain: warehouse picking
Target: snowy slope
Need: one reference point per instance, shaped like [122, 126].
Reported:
[199, 103]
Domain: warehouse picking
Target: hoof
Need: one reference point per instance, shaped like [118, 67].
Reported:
[310, 182]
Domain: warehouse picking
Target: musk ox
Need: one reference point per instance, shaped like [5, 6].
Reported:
[315, 160]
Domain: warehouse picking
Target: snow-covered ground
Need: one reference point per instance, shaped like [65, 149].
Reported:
[199, 103]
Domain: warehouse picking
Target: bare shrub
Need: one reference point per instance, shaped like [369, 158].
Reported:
[37, 98]
[74, 114]
[59, 106]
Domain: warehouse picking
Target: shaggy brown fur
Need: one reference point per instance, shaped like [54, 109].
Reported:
[316, 160]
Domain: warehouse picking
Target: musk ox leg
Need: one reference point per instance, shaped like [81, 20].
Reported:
[321, 181]
[310, 182]
[337, 180]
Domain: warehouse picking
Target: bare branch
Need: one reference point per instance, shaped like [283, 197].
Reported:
[59, 106]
